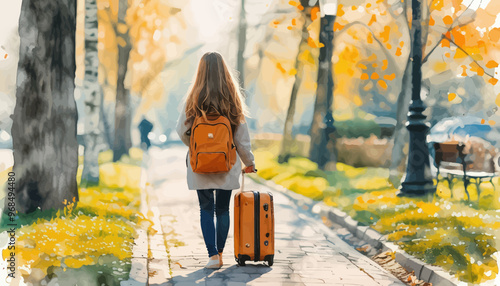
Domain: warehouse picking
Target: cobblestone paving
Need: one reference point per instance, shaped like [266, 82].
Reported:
[307, 252]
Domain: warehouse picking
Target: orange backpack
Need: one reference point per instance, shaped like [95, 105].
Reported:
[211, 148]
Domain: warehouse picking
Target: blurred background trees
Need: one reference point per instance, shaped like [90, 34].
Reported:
[92, 92]
[137, 58]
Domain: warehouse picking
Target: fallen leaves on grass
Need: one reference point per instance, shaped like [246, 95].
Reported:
[443, 231]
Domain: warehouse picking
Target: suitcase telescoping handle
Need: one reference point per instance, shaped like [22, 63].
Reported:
[243, 172]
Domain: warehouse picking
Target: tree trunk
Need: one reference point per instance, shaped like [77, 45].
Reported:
[105, 125]
[45, 115]
[107, 120]
[122, 141]
[286, 147]
[242, 39]
[322, 130]
[93, 98]
[401, 136]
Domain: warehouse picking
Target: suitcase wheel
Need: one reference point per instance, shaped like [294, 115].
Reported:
[270, 262]
[241, 262]
[269, 259]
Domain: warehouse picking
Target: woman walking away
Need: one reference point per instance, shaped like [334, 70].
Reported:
[213, 125]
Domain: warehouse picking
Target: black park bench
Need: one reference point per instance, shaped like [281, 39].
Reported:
[451, 160]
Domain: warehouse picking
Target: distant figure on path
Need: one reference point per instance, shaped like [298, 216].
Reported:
[145, 127]
[215, 93]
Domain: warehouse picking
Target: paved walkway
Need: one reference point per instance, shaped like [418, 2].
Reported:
[307, 252]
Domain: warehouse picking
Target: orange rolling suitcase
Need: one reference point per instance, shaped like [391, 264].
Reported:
[253, 226]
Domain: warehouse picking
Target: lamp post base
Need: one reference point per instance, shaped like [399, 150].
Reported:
[416, 189]
[418, 178]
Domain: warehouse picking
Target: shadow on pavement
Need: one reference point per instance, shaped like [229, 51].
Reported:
[234, 273]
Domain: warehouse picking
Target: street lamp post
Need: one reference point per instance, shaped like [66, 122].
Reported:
[323, 113]
[418, 177]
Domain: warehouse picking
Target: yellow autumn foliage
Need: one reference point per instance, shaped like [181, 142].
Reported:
[134, 156]
[439, 230]
[117, 175]
[302, 164]
[349, 171]
[83, 238]
[428, 208]
[105, 157]
[307, 186]
[101, 224]
[402, 233]
[280, 178]
[306, 57]
[330, 201]
[489, 196]
[79, 262]
[373, 201]
[122, 204]
[374, 183]
[269, 172]
[443, 189]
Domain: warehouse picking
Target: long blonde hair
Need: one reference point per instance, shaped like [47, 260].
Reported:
[215, 90]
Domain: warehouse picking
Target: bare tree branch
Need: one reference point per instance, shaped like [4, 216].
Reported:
[452, 26]
[430, 4]
[152, 77]
[110, 20]
[465, 52]
[427, 56]
[264, 43]
[426, 24]
[384, 50]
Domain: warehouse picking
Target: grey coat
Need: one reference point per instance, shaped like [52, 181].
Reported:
[224, 181]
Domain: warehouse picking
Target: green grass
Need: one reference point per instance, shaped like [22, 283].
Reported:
[94, 234]
[447, 230]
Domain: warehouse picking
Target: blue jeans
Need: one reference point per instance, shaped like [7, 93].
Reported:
[214, 243]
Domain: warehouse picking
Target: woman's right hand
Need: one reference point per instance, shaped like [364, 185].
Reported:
[250, 169]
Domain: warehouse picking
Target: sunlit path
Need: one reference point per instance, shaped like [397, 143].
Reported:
[306, 252]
